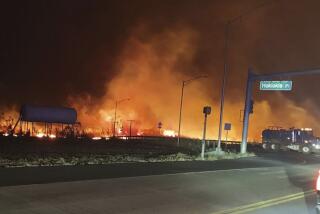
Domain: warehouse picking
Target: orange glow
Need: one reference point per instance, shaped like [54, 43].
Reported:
[149, 70]
[318, 182]
[169, 133]
[52, 136]
[40, 135]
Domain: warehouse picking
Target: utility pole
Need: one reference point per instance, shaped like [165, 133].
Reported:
[184, 83]
[224, 79]
[115, 114]
[130, 125]
[225, 71]
[180, 112]
[115, 119]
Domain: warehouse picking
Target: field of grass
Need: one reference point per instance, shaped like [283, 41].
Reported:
[25, 152]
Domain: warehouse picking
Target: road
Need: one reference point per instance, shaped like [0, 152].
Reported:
[268, 183]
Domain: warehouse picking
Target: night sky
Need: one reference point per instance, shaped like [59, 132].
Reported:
[51, 50]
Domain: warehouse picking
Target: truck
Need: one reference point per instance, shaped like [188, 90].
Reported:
[297, 139]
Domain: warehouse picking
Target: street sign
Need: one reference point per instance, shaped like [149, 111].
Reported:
[276, 85]
[227, 126]
[207, 110]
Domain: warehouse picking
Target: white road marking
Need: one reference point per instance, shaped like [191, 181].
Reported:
[272, 172]
[204, 172]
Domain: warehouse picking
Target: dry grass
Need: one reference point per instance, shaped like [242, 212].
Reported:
[60, 160]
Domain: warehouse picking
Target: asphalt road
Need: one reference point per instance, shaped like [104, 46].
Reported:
[269, 183]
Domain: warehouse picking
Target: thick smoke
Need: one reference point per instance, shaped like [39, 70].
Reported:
[152, 64]
[147, 53]
[150, 74]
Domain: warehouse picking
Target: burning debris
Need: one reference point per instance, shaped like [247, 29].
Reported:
[169, 133]
[48, 122]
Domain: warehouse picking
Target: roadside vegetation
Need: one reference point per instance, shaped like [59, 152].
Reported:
[47, 153]
[71, 160]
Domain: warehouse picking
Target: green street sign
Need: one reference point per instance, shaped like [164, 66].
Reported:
[276, 85]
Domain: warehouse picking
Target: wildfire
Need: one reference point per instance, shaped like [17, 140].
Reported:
[40, 135]
[169, 133]
[52, 136]
[151, 78]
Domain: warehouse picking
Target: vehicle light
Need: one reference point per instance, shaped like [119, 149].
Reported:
[318, 182]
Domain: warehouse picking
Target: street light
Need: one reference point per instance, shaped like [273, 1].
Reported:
[225, 72]
[130, 126]
[115, 114]
[184, 83]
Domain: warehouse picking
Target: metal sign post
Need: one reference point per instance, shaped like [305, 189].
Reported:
[247, 112]
[160, 127]
[206, 111]
[227, 128]
[263, 78]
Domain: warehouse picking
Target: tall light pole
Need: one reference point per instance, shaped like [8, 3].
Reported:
[115, 114]
[184, 83]
[130, 126]
[225, 71]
